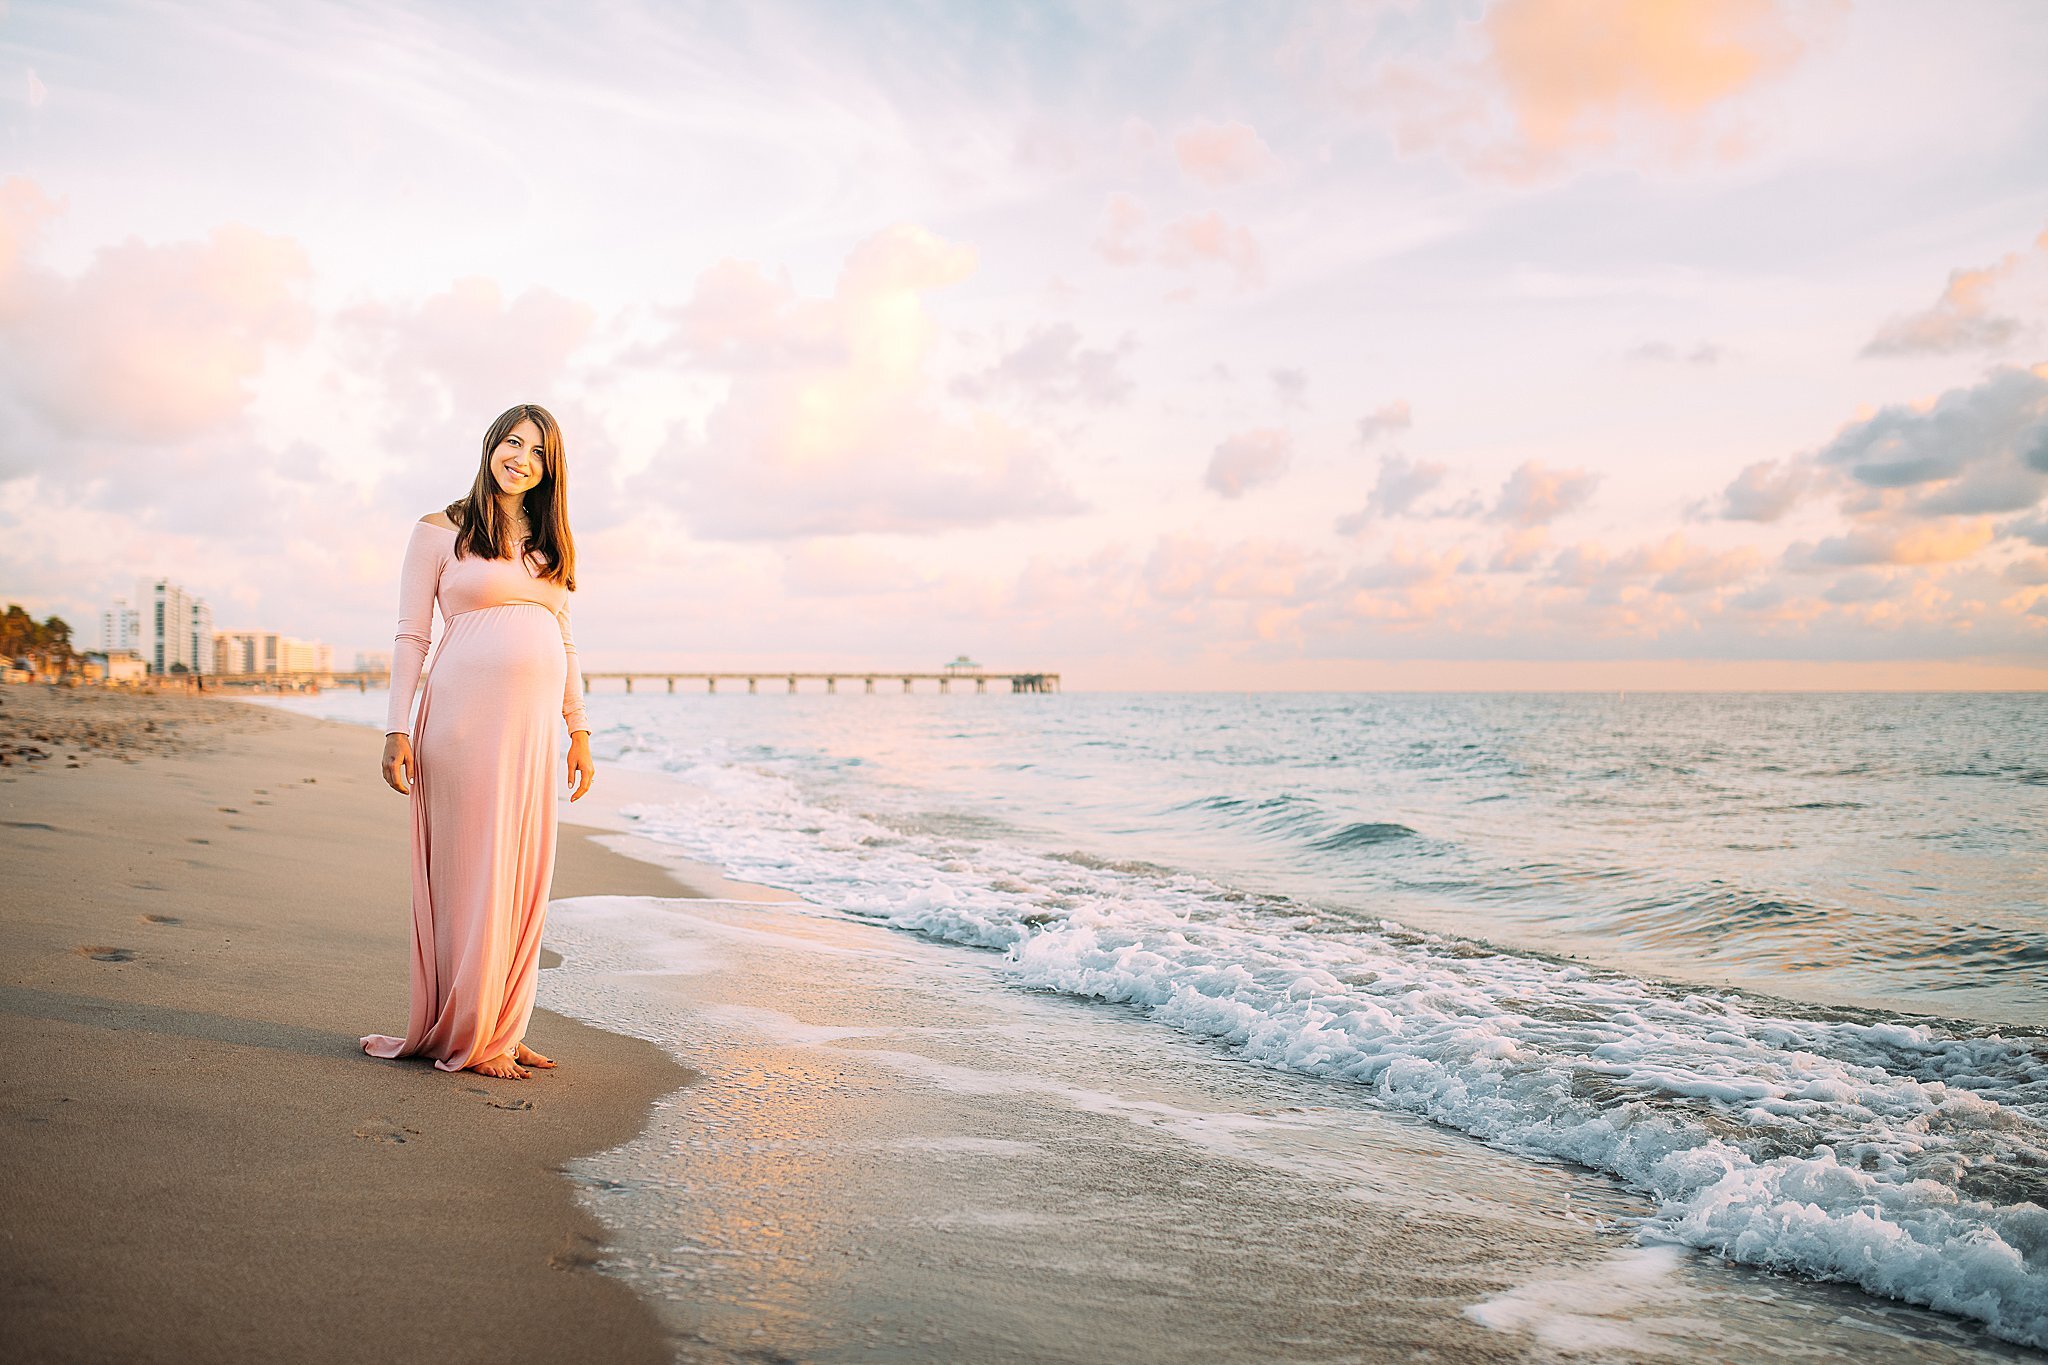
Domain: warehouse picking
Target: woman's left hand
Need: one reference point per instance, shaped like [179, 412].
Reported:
[582, 768]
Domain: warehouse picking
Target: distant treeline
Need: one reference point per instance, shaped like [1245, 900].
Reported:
[42, 645]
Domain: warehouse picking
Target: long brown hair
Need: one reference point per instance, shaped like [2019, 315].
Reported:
[483, 527]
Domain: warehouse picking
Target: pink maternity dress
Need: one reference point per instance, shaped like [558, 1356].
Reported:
[483, 799]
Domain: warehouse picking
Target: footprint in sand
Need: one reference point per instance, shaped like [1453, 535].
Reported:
[385, 1130]
[227, 810]
[510, 1104]
[161, 919]
[101, 952]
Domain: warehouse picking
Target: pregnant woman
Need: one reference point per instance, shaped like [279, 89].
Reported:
[479, 763]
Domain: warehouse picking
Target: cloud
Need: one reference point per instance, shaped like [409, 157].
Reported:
[1519, 551]
[1220, 154]
[1679, 567]
[1390, 417]
[1639, 589]
[469, 352]
[2033, 530]
[1188, 568]
[1249, 459]
[739, 318]
[1536, 496]
[1556, 82]
[1962, 319]
[1942, 543]
[1764, 491]
[2031, 572]
[1192, 242]
[1406, 590]
[1401, 481]
[842, 434]
[1974, 450]
[1209, 239]
[1290, 386]
[1864, 585]
[1051, 365]
[148, 344]
[1123, 221]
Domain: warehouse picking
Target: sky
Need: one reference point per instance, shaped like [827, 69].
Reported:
[1483, 344]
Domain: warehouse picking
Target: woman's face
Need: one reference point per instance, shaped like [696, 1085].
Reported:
[517, 463]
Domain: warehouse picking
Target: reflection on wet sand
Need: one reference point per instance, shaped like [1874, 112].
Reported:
[891, 1157]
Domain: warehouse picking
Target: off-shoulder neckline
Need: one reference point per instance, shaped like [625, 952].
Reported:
[502, 559]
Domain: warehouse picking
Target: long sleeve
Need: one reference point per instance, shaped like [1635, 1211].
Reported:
[418, 582]
[572, 687]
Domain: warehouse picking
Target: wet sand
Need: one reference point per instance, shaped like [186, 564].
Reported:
[206, 903]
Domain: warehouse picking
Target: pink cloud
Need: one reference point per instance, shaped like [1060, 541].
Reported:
[1219, 154]
[1209, 239]
[1248, 459]
[1187, 568]
[1549, 82]
[148, 343]
[1520, 550]
[846, 434]
[737, 317]
[1963, 318]
[1938, 543]
[1535, 495]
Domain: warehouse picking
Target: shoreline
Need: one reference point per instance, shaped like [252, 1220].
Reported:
[208, 904]
[874, 1142]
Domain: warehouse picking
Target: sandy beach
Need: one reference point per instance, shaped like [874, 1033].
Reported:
[206, 904]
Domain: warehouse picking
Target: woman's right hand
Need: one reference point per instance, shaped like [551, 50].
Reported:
[399, 764]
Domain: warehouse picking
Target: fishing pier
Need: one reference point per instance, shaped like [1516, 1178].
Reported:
[753, 678]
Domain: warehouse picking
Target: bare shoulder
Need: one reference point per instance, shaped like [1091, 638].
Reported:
[439, 519]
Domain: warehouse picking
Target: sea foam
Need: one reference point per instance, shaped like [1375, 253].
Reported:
[1903, 1156]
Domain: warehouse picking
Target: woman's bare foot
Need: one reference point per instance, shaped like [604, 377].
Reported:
[526, 1056]
[501, 1066]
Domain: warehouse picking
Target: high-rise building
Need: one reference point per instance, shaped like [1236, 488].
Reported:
[121, 626]
[199, 627]
[176, 633]
[268, 651]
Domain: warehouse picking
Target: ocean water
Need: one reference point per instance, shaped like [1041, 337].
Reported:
[1777, 964]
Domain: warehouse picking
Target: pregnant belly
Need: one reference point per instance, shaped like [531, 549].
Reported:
[514, 650]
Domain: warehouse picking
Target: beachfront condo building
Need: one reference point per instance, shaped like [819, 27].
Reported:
[176, 633]
[120, 627]
[269, 651]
